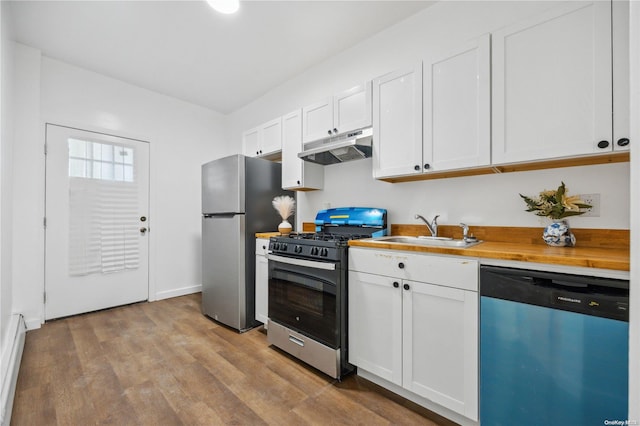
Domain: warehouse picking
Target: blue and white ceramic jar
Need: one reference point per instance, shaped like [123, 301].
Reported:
[558, 234]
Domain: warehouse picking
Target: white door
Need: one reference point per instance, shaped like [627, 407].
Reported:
[97, 203]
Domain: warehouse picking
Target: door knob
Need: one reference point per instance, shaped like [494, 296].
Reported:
[143, 230]
[143, 218]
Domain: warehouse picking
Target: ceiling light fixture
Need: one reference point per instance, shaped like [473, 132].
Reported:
[225, 6]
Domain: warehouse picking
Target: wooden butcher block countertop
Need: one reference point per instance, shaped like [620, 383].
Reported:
[595, 248]
[267, 234]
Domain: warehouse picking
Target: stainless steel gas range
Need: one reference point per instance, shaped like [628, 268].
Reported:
[308, 287]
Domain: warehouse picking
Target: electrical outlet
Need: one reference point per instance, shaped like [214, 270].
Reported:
[594, 201]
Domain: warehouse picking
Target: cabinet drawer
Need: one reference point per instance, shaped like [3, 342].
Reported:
[262, 246]
[318, 355]
[448, 271]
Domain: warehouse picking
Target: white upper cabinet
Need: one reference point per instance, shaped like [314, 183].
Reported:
[251, 142]
[457, 107]
[443, 128]
[317, 120]
[296, 173]
[341, 113]
[552, 90]
[352, 109]
[620, 33]
[263, 140]
[397, 123]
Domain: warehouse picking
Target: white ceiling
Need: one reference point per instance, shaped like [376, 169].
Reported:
[187, 50]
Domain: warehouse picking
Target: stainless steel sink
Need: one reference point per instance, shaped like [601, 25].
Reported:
[427, 241]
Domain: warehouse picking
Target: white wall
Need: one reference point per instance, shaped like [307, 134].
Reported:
[27, 202]
[6, 136]
[634, 310]
[470, 199]
[489, 200]
[182, 136]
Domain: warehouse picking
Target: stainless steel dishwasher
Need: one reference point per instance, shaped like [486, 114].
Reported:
[553, 348]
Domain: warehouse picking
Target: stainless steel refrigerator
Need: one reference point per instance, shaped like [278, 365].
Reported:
[237, 192]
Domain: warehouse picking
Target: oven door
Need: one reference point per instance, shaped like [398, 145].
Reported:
[302, 296]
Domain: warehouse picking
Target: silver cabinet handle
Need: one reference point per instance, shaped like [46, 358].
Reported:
[297, 341]
[302, 262]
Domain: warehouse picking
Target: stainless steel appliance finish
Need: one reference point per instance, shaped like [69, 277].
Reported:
[351, 146]
[237, 192]
[308, 287]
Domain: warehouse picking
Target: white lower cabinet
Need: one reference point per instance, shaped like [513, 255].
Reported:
[414, 323]
[262, 281]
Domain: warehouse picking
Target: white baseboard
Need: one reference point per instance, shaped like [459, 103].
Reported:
[11, 357]
[33, 323]
[178, 292]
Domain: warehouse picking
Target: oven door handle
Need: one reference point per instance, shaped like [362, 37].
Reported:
[302, 262]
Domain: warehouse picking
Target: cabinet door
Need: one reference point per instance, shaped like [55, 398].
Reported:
[440, 351]
[296, 173]
[397, 123]
[457, 107]
[262, 282]
[352, 109]
[317, 121]
[375, 329]
[552, 84]
[251, 142]
[291, 146]
[271, 136]
[620, 34]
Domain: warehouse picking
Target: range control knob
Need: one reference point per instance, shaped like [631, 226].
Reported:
[276, 246]
[297, 249]
[283, 246]
[324, 252]
[314, 251]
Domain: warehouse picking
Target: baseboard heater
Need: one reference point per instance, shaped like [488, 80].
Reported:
[11, 357]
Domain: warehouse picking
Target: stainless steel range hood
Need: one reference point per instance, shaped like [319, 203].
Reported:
[351, 146]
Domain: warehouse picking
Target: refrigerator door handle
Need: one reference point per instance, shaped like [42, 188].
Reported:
[302, 262]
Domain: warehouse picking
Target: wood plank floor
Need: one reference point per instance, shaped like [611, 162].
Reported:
[164, 363]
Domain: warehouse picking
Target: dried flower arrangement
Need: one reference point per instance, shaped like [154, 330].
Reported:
[284, 205]
[555, 204]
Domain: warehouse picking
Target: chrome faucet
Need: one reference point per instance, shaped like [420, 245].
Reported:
[433, 226]
[465, 234]
[465, 231]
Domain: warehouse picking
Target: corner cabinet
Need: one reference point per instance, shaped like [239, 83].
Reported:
[297, 174]
[552, 84]
[413, 321]
[262, 281]
[266, 139]
[339, 114]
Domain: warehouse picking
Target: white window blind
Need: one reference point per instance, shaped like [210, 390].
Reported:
[103, 206]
